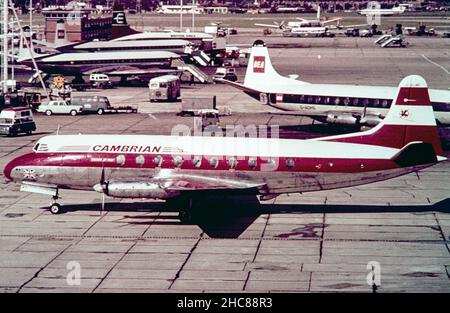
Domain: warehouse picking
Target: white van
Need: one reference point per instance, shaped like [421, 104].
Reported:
[100, 81]
[227, 73]
[16, 120]
[166, 87]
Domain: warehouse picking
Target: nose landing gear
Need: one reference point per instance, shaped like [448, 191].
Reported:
[55, 208]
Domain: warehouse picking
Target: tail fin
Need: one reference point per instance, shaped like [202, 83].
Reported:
[60, 35]
[260, 72]
[409, 120]
[26, 47]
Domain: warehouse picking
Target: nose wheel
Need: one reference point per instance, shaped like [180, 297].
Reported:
[55, 207]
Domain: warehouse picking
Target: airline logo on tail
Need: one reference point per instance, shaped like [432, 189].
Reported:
[119, 18]
[259, 63]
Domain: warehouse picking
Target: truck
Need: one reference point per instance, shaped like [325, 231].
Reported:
[92, 104]
[208, 120]
[16, 120]
[194, 106]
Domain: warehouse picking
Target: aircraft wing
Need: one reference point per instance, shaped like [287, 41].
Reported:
[237, 85]
[130, 71]
[267, 25]
[332, 20]
[196, 182]
[137, 72]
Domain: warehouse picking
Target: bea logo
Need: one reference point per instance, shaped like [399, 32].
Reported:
[259, 64]
[119, 18]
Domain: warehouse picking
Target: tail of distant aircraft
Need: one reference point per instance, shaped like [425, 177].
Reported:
[260, 72]
[409, 125]
[26, 48]
[120, 27]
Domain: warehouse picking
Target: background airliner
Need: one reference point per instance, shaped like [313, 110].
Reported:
[331, 103]
[181, 168]
[378, 11]
[304, 27]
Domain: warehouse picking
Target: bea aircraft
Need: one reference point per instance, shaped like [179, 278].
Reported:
[329, 103]
[180, 168]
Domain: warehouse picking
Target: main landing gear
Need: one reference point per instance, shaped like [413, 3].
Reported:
[55, 207]
[185, 217]
[188, 209]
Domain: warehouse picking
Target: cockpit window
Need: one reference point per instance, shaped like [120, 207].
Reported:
[36, 147]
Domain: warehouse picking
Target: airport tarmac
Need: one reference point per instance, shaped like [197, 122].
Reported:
[312, 242]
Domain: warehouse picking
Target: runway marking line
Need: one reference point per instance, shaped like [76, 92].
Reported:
[434, 63]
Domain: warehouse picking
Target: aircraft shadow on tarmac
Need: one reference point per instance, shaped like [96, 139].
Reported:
[230, 217]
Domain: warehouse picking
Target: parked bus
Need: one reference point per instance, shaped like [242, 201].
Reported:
[165, 87]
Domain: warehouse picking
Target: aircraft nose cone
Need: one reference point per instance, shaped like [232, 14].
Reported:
[8, 169]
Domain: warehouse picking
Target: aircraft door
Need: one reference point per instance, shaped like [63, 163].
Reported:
[264, 98]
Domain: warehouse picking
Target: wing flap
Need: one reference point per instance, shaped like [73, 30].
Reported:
[192, 183]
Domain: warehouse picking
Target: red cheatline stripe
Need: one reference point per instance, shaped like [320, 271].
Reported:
[108, 160]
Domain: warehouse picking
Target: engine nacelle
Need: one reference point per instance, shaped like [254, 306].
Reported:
[371, 120]
[342, 119]
[135, 190]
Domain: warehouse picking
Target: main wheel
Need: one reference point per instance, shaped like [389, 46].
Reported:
[48, 112]
[55, 208]
[100, 111]
[185, 217]
[73, 112]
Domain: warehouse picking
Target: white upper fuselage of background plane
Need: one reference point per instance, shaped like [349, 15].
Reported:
[393, 11]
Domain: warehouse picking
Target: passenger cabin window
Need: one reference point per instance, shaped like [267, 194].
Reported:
[158, 160]
[214, 162]
[36, 147]
[252, 162]
[178, 161]
[271, 164]
[197, 161]
[120, 159]
[232, 162]
[290, 163]
[140, 160]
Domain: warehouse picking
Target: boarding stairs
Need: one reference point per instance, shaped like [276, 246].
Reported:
[383, 39]
[201, 58]
[394, 41]
[193, 70]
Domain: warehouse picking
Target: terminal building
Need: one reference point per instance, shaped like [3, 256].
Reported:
[80, 23]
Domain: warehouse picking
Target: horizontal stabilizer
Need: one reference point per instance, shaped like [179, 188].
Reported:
[415, 153]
